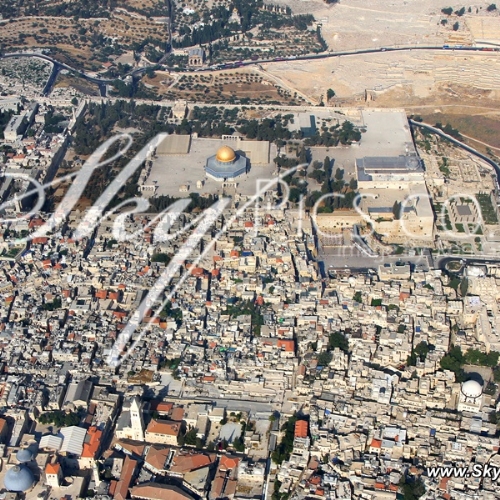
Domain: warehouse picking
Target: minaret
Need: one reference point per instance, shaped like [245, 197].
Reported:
[136, 421]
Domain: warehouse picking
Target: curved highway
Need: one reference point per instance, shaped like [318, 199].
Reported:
[475, 261]
[102, 82]
[456, 142]
[326, 55]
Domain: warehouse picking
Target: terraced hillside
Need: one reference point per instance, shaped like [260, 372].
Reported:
[102, 33]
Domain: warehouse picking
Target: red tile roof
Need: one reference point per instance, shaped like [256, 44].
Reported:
[287, 345]
[162, 406]
[301, 428]
[128, 469]
[164, 427]
[228, 462]
[90, 448]
[52, 469]
[177, 414]
[157, 491]
[186, 462]
[39, 241]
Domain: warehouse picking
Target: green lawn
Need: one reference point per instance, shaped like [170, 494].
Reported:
[487, 208]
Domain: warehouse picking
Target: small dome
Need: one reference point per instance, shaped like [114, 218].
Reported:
[24, 455]
[225, 154]
[472, 389]
[19, 478]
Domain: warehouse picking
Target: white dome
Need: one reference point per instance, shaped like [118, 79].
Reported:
[472, 389]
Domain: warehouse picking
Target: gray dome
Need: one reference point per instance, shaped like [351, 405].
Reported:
[19, 478]
[24, 455]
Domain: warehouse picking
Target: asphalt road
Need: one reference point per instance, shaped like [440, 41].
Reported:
[101, 82]
[456, 142]
[323, 55]
[473, 261]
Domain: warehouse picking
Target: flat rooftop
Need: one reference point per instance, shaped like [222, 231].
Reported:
[392, 163]
[380, 200]
[387, 134]
[14, 123]
[369, 166]
[174, 145]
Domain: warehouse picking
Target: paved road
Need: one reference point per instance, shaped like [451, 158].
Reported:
[467, 148]
[351, 258]
[325, 55]
[451, 139]
[52, 78]
[478, 261]
[322, 55]
[101, 82]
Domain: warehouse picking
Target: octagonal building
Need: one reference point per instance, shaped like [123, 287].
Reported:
[226, 165]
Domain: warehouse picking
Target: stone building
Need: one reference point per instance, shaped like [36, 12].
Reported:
[196, 57]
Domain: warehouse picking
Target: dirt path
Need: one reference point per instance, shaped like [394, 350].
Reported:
[459, 106]
[480, 142]
[287, 86]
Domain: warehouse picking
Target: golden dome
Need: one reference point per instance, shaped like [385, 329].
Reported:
[225, 154]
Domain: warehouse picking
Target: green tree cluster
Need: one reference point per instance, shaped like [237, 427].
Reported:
[448, 129]
[337, 339]
[419, 352]
[172, 364]
[240, 308]
[170, 312]
[80, 9]
[191, 439]
[161, 257]
[476, 357]
[411, 489]
[269, 129]
[62, 419]
[5, 116]
[55, 304]
[453, 361]
[344, 134]
[284, 449]
[239, 442]
[325, 358]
